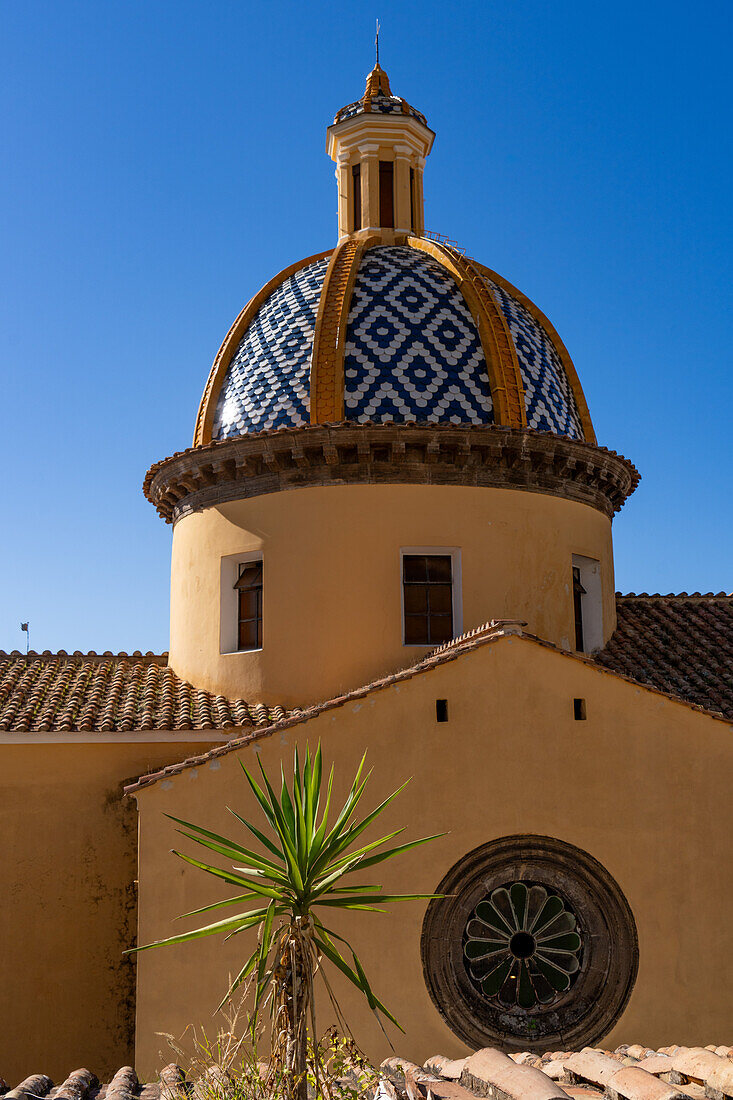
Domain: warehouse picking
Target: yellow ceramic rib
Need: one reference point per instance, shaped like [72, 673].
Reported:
[586, 423]
[505, 377]
[327, 360]
[207, 408]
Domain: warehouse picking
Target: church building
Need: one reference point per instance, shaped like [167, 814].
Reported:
[392, 533]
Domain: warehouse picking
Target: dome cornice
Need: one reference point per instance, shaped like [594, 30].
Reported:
[391, 454]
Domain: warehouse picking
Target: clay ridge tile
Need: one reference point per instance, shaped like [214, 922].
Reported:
[466, 643]
[627, 1073]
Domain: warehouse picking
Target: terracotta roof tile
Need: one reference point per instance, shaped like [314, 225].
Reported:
[107, 693]
[630, 1072]
[645, 1074]
[466, 643]
[679, 644]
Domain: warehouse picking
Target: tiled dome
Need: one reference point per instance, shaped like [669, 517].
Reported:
[266, 385]
[382, 104]
[414, 346]
[378, 99]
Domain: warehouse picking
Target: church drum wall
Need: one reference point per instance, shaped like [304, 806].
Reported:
[332, 585]
[642, 785]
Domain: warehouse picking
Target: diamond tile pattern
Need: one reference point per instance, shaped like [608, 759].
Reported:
[412, 349]
[412, 353]
[382, 104]
[266, 385]
[548, 396]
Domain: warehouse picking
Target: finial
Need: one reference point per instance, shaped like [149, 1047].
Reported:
[376, 43]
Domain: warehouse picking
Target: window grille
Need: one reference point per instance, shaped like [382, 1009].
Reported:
[427, 582]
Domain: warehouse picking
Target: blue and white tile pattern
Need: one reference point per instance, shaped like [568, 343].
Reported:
[412, 349]
[548, 396]
[412, 353]
[380, 104]
[267, 382]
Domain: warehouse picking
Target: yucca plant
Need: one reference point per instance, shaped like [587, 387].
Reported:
[297, 876]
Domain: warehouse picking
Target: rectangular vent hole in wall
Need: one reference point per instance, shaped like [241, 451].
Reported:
[579, 710]
[441, 710]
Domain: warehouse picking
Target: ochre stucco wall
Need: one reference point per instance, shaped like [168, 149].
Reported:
[643, 785]
[67, 903]
[332, 589]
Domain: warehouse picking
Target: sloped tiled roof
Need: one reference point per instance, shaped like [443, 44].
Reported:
[466, 643]
[679, 644]
[633, 1072]
[113, 693]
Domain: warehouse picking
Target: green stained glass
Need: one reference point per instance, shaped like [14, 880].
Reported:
[479, 949]
[518, 895]
[557, 978]
[502, 903]
[481, 968]
[564, 922]
[571, 942]
[493, 982]
[521, 945]
[545, 993]
[525, 992]
[550, 909]
[486, 912]
[564, 959]
[535, 901]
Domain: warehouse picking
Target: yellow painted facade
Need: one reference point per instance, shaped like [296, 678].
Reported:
[642, 785]
[68, 883]
[333, 579]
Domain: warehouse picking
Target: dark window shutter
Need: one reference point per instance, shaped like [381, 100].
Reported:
[386, 194]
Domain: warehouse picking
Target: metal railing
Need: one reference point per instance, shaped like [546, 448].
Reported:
[440, 238]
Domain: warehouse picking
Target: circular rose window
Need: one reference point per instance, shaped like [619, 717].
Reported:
[522, 945]
[534, 945]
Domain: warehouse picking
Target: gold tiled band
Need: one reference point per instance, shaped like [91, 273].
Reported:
[207, 408]
[327, 361]
[505, 377]
[582, 405]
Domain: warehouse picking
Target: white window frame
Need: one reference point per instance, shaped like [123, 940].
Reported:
[454, 552]
[591, 603]
[229, 602]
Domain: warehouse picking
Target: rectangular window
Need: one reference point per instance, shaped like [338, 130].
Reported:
[587, 593]
[427, 584]
[386, 194]
[249, 609]
[578, 593]
[356, 195]
[412, 199]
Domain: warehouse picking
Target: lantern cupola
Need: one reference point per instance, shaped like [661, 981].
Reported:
[379, 144]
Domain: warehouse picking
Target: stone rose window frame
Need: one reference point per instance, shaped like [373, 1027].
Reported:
[605, 948]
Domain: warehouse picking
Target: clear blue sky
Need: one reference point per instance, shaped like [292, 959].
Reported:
[162, 160]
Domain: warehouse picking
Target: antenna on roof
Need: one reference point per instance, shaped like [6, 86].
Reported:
[24, 627]
[376, 43]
